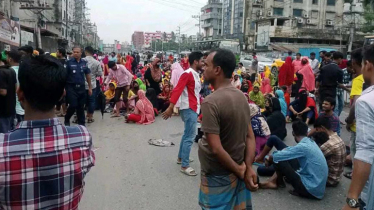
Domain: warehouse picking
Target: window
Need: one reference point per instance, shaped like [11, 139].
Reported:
[278, 11]
[297, 1]
[315, 14]
[297, 12]
[330, 2]
[314, 1]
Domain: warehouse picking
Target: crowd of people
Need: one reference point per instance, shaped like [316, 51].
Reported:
[243, 117]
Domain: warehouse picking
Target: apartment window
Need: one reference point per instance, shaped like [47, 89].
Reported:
[297, 1]
[331, 2]
[315, 14]
[297, 12]
[278, 11]
[314, 1]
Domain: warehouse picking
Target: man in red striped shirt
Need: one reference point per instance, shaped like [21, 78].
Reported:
[188, 90]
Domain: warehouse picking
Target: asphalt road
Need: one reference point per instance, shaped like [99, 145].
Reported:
[130, 174]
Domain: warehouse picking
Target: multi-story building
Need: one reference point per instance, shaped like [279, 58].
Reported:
[211, 19]
[138, 39]
[234, 18]
[158, 35]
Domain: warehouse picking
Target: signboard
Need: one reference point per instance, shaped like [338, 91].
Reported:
[263, 35]
[26, 38]
[9, 31]
[119, 47]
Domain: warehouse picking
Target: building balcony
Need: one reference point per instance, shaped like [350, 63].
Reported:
[207, 25]
[211, 15]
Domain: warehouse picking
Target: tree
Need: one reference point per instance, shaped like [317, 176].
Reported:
[369, 19]
[173, 38]
[164, 36]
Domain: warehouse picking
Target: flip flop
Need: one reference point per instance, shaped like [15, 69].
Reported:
[180, 162]
[348, 175]
[189, 171]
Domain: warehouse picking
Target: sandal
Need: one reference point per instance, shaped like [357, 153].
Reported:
[348, 175]
[180, 162]
[90, 120]
[189, 171]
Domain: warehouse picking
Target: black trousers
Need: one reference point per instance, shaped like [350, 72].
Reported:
[76, 98]
[288, 169]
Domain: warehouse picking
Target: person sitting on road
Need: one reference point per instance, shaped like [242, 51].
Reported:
[143, 113]
[275, 118]
[334, 151]
[304, 107]
[328, 107]
[287, 96]
[133, 96]
[256, 96]
[304, 166]
[260, 127]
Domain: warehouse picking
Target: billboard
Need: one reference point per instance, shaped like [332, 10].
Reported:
[9, 31]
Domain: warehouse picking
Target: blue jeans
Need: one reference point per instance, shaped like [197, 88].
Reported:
[189, 117]
[339, 103]
[91, 101]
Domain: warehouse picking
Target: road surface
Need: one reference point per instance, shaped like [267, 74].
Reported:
[130, 174]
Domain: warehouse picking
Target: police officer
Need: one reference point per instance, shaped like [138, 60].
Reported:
[78, 72]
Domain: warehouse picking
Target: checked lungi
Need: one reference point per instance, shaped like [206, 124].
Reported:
[224, 192]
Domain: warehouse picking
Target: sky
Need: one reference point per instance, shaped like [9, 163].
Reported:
[118, 19]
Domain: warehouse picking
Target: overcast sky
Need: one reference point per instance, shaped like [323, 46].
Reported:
[118, 19]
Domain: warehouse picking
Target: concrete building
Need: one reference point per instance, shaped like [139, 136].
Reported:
[211, 19]
[158, 35]
[138, 39]
[234, 18]
[292, 24]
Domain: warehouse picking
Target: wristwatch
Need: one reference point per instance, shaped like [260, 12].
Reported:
[353, 203]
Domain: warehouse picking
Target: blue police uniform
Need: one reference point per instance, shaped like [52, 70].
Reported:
[75, 89]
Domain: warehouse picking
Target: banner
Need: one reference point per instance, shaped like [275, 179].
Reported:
[9, 31]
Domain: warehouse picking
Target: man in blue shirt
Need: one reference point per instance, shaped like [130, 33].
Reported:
[78, 72]
[303, 165]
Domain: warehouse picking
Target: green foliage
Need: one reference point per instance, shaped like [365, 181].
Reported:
[369, 18]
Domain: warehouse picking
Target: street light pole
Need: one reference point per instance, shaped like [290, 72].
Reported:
[198, 18]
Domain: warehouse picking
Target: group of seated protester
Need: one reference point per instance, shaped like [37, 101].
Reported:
[316, 161]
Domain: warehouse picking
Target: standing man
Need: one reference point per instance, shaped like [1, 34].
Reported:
[314, 63]
[254, 66]
[123, 78]
[356, 91]
[49, 161]
[96, 71]
[61, 104]
[227, 149]
[113, 57]
[363, 160]
[331, 77]
[13, 59]
[297, 65]
[78, 72]
[26, 50]
[188, 90]
[340, 92]
[8, 86]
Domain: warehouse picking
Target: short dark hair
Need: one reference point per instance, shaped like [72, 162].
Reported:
[368, 53]
[313, 53]
[254, 53]
[40, 50]
[194, 56]
[62, 51]
[322, 122]
[226, 60]
[331, 100]
[357, 55]
[89, 49]
[323, 52]
[28, 49]
[337, 55]
[349, 63]
[111, 64]
[320, 137]
[15, 55]
[284, 87]
[112, 53]
[240, 63]
[289, 53]
[298, 54]
[206, 54]
[300, 128]
[77, 47]
[42, 80]
[327, 54]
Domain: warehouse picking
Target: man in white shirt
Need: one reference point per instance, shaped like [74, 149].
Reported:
[363, 160]
[314, 63]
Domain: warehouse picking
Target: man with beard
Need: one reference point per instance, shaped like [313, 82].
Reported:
[188, 90]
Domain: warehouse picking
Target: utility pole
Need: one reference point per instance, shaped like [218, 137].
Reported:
[37, 10]
[179, 39]
[198, 18]
[352, 28]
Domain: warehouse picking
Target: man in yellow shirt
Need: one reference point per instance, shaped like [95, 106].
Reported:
[357, 87]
